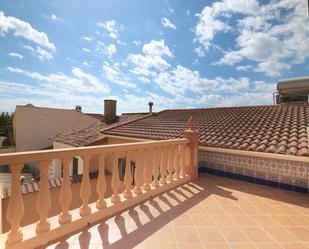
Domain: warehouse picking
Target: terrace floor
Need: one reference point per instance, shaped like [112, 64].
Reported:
[212, 212]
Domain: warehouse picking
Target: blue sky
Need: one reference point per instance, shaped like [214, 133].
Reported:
[178, 54]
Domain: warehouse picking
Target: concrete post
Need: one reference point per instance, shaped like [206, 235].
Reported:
[191, 167]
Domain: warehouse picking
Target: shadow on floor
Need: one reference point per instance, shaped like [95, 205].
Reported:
[191, 193]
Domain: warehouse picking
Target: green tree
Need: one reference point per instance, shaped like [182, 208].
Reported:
[6, 127]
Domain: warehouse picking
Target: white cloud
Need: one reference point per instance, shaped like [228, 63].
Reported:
[267, 34]
[137, 43]
[146, 64]
[110, 26]
[87, 38]
[25, 30]
[114, 75]
[79, 82]
[167, 23]
[14, 93]
[157, 48]
[39, 52]
[229, 58]
[207, 26]
[111, 49]
[86, 50]
[16, 55]
[244, 68]
[54, 18]
[182, 80]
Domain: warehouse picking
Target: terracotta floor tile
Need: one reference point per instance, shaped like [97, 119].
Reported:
[284, 220]
[268, 246]
[300, 233]
[183, 220]
[264, 221]
[196, 209]
[210, 234]
[162, 245]
[232, 209]
[234, 235]
[243, 220]
[280, 234]
[164, 234]
[189, 246]
[257, 235]
[242, 246]
[300, 219]
[186, 234]
[222, 220]
[216, 246]
[215, 209]
[202, 220]
[294, 246]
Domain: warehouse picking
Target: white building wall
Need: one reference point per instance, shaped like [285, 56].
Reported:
[57, 163]
[33, 126]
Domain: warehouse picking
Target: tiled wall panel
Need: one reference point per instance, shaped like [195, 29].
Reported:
[277, 173]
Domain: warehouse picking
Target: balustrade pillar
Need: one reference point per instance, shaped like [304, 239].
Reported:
[176, 163]
[163, 163]
[147, 170]
[65, 198]
[15, 210]
[155, 167]
[115, 180]
[170, 166]
[182, 161]
[138, 172]
[101, 183]
[128, 176]
[191, 167]
[85, 189]
[43, 202]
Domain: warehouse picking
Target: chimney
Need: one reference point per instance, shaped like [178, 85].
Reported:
[78, 108]
[110, 110]
[150, 107]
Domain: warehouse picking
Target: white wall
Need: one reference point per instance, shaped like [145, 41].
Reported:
[33, 126]
[57, 164]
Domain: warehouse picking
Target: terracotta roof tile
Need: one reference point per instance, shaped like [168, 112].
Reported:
[275, 129]
[90, 134]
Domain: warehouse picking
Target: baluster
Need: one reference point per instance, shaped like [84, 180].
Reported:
[170, 164]
[85, 189]
[182, 161]
[138, 172]
[147, 169]
[15, 210]
[65, 198]
[128, 176]
[155, 168]
[176, 162]
[43, 202]
[163, 162]
[115, 180]
[101, 184]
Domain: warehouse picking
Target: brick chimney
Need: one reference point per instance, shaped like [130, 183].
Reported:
[110, 106]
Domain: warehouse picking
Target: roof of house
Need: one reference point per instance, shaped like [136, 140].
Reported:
[275, 129]
[90, 134]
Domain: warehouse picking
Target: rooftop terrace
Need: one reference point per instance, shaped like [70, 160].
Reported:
[211, 212]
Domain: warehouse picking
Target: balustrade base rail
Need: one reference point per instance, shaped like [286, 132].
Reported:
[31, 241]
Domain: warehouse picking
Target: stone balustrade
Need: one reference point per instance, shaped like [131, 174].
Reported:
[158, 166]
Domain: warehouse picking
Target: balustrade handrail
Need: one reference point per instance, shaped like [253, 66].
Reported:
[158, 167]
[29, 156]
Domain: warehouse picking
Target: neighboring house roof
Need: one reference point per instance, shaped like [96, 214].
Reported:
[275, 129]
[90, 134]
